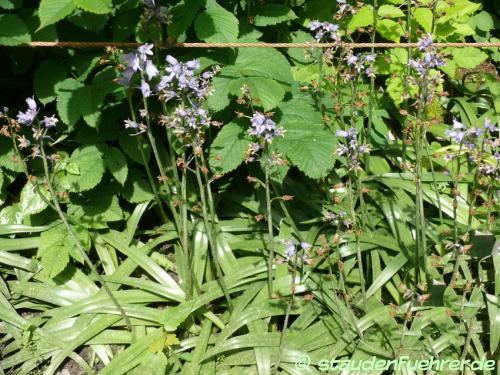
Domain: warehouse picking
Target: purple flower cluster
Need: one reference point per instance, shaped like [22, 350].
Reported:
[335, 219]
[139, 61]
[351, 149]
[460, 135]
[140, 127]
[27, 118]
[188, 123]
[427, 81]
[264, 128]
[361, 63]
[177, 81]
[291, 250]
[180, 80]
[325, 31]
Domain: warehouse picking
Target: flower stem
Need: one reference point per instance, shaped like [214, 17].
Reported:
[75, 239]
[270, 259]
[146, 165]
[208, 227]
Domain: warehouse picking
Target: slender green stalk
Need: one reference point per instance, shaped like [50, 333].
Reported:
[146, 165]
[403, 329]
[270, 259]
[434, 182]
[160, 165]
[472, 199]
[75, 239]
[405, 81]
[372, 85]
[185, 233]
[489, 195]
[208, 227]
[458, 254]
[358, 245]
[287, 312]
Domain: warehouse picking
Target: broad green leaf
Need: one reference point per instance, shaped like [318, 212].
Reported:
[68, 104]
[468, 57]
[116, 164]
[424, 18]
[56, 246]
[89, 101]
[95, 6]
[263, 62]
[183, 14]
[88, 21]
[95, 208]
[10, 4]
[390, 30]
[137, 188]
[51, 11]
[48, 74]
[131, 146]
[13, 31]
[89, 160]
[309, 147]
[272, 14]
[266, 92]
[216, 24]
[363, 18]
[316, 10]
[483, 21]
[8, 157]
[227, 151]
[31, 200]
[302, 55]
[390, 11]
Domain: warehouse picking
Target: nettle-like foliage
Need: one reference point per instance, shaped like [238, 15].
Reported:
[216, 210]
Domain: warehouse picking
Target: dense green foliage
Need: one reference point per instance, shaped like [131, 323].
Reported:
[162, 253]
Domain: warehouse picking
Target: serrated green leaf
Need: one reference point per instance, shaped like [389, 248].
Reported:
[316, 10]
[390, 11]
[216, 24]
[88, 21]
[273, 14]
[390, 30]
[227, 151]
[31, 201]
[8, 157]
[263, 62]
[48, 74]
[13, 31]
[96, 207]
[68, 105]
[130, 145]
[51, 11]
[483, 21]
[424, 18]
[302, 55]
[183, 14]
[137, 188]
[363, 18]
[89, 101]
[89, 160]
[309, 147]
[56, 247]
[266, 93]
[468, 57]
[116, 164]
[10, 4]
[95, 6]
[252, 62]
